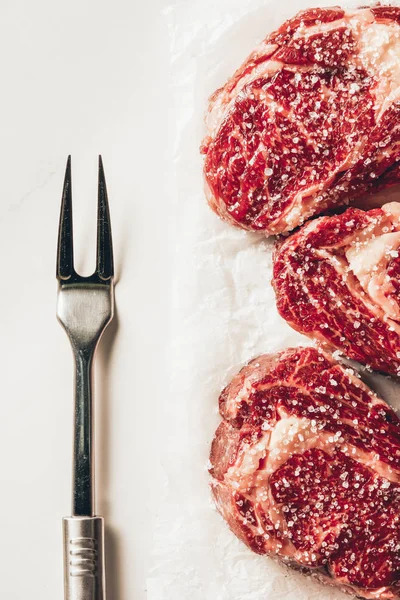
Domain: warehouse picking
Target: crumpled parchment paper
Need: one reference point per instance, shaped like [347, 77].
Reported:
[223, 314]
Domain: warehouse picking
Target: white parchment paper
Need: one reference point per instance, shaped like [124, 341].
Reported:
[223, 314]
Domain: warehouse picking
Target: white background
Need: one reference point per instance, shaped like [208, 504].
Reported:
[81, 77]
[193, 296]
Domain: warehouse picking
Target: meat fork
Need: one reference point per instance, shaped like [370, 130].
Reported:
[85, 306]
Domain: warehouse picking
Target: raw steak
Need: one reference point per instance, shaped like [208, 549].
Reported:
[337, 279]
[309, 120]
[306, 467]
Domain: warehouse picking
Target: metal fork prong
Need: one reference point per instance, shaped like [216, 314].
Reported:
[105, 260]
[65, 249]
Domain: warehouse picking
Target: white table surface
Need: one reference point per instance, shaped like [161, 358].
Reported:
[81, 77]
[85, 77]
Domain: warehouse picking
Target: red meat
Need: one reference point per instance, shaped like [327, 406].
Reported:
[306, 467]
[309, 120]
[337, 279]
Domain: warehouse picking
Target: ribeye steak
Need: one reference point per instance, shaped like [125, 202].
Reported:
[306, 467]
[337, 279]
[311, 119]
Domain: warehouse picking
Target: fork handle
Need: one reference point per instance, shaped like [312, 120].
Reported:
[84, 572]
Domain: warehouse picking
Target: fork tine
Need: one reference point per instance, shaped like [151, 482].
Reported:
[65, 250]
[105, 261]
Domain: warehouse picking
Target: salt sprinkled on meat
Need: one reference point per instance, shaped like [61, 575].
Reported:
[358, 253]
[320, 493]
[307, 121]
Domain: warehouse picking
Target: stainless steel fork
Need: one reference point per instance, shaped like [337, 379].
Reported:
[85, 307]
